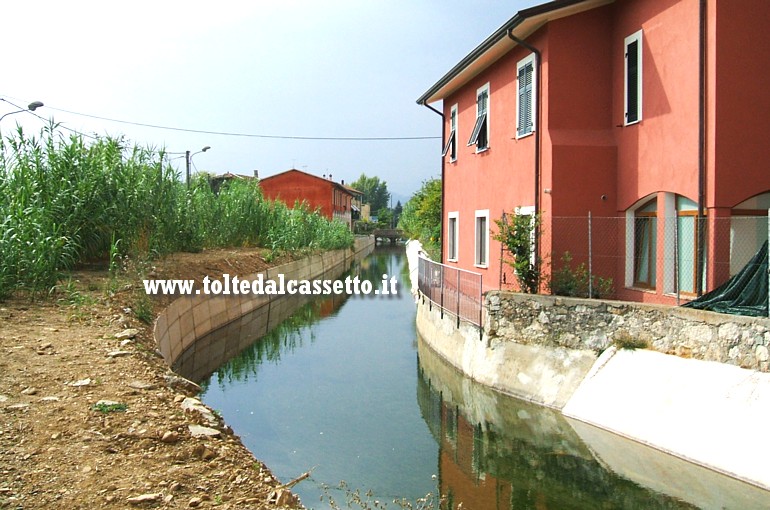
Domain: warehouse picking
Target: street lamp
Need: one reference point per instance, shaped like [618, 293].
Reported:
[31, 107]
[188, 159]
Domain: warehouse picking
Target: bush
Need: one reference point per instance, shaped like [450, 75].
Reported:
[566, 281]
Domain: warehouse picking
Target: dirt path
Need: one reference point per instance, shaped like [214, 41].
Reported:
[89, 417]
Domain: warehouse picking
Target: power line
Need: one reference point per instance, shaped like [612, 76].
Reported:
[251, 135]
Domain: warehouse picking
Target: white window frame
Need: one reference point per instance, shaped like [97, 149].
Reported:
[529, 210]
[451, 141]
[529, 60]
[453, 240]
[635, 37]
[478, 239]
[474, 139]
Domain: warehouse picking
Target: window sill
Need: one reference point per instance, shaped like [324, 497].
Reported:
[525, 135]
[451, 260]
[480, 266]
[480, 151]
[626, 124]
[647, 290]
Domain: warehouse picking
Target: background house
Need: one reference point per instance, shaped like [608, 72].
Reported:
[333, 199]
[651, 116]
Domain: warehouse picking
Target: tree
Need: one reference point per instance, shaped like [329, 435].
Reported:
[397, 212]
[375, 192]
[421, 216]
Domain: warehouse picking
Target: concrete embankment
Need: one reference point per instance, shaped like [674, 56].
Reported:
[709, 413]
[183, 330]
[704, 412]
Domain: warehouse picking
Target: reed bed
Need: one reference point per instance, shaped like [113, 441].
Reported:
[65, 202]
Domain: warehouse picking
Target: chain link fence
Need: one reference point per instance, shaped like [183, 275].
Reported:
[682, 256]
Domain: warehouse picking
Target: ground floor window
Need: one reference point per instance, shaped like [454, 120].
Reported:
[748, 230]
[687, 236]
[482, 238]
[645, 245]
[453, 235]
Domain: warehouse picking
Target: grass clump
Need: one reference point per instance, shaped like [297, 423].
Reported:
[109, 407]
[624, 340]
[65, 202]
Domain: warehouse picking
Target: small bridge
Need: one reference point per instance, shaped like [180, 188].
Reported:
[391, 234]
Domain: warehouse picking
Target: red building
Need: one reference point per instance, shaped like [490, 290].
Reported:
[652, 116]
[333, 199]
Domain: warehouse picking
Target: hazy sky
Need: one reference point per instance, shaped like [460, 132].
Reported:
[320, 68]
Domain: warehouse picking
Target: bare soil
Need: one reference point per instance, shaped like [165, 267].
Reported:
[89, 420]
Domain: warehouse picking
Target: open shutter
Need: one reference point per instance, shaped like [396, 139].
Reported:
[632, 81]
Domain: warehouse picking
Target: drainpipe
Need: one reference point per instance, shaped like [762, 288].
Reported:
[537, 133]
[443, 163]
[702, 166]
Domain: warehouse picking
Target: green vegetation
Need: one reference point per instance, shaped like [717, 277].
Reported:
[375, 192]
[64, 202]
[624, 340]
[105, 408]
[517, 234]
[421, 217]
[567, 281]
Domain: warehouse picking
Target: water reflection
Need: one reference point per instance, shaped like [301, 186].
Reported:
[497, 452]
[336, 394]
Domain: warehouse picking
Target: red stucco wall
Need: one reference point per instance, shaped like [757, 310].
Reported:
[319, 193]
[739, 101]
[590, 161]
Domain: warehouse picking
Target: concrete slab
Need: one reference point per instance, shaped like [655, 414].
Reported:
[713, 414]
[702, 487]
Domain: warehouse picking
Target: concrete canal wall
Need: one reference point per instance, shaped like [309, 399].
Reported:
[190, 318]
[705, 398]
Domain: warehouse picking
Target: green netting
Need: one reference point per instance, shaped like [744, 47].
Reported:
[743, 294]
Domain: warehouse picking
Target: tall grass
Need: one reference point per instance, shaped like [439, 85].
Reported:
[64, 202]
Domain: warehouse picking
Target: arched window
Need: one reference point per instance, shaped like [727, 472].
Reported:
[645, 244]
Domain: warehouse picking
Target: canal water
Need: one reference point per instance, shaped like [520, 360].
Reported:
[346, 389]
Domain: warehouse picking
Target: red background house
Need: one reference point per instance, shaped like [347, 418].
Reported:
[333, 199]
[651, 115]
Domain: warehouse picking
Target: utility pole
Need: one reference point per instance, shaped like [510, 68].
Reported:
[187, 161]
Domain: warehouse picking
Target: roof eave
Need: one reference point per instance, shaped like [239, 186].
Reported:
[522, 24]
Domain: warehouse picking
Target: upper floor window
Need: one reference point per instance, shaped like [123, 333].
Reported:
[525, 113]
[633, 78]
[480, 134]
[451, 142]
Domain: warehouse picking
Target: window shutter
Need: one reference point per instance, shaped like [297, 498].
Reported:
[525, 99]
[449, 142]
[632, 84]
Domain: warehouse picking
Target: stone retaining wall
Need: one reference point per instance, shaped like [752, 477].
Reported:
[592, 324]
[189, 318]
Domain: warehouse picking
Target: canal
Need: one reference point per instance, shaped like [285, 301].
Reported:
[346, 389]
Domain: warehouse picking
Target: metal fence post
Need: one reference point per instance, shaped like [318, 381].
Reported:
[481, 306]
[590, 261]
[442, 291]
[458, 299]
[676, 259]
[503, 223]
